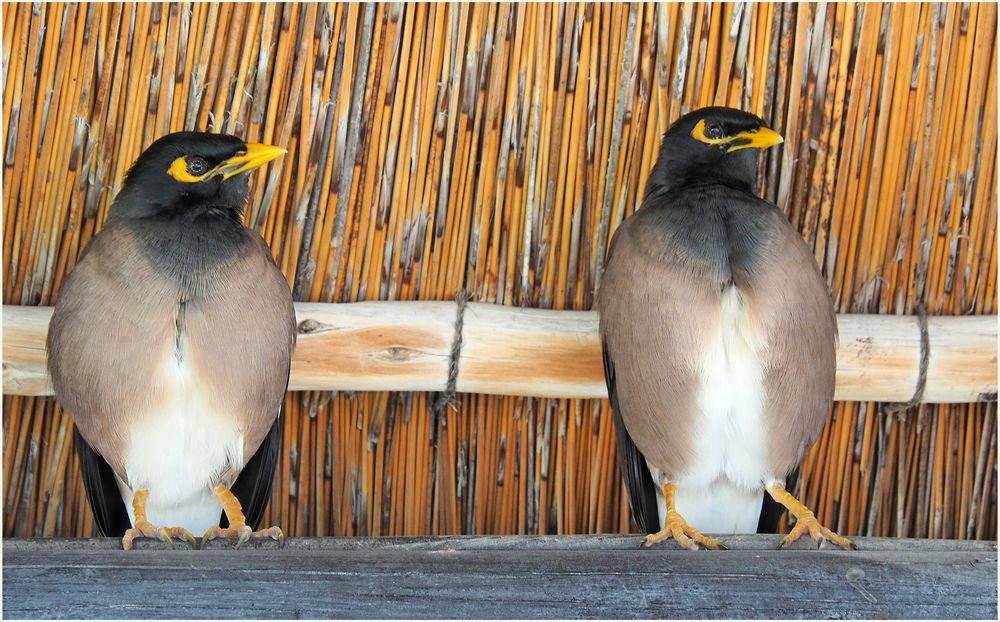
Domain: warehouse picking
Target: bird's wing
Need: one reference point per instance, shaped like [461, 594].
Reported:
[796, 316]
[239, 340]
[656, 302]
[638, 482]
[271, 334]
[104, 331]
[102, 490]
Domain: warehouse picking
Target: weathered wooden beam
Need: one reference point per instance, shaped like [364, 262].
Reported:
[501, 577]
[405, 346]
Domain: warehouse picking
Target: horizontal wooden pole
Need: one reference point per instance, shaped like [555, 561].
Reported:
[602, 576]
[405, 346]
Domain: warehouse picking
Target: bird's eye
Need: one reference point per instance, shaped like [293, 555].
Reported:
[713, 131]
[197, 166]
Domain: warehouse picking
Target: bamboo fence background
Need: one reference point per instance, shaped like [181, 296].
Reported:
[495, 148]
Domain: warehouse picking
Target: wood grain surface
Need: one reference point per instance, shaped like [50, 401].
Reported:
[501, 577]
[405, 346]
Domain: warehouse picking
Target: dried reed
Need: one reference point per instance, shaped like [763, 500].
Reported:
[496, 148]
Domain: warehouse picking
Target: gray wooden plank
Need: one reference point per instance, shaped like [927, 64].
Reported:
[739, 542]
[501, 577]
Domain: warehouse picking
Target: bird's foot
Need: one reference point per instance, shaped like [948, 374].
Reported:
[145, 529]
[805, 520]
[238, 529]
[808, 523]
[677, 528]
[687, 536]
[241, 533]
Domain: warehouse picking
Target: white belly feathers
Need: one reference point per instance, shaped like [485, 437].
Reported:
[720, 491]
[178, 452]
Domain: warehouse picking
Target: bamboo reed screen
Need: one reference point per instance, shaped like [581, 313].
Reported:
[496, 148]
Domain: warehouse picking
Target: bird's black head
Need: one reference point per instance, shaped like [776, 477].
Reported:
[712, 144]
[189, 170]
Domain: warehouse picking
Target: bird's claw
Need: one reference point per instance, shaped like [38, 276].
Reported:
[274, 533]
[243, 534]
[685, 535]
[817, 532]
[240, 533]
[145, 529]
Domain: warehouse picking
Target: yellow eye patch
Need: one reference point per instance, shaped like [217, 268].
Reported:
[179, 171]
[698, 133]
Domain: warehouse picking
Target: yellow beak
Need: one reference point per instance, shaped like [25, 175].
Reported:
[761, 138]
[255, 155]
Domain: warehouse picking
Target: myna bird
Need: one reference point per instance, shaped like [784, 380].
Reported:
[719, 339]
[170, 347]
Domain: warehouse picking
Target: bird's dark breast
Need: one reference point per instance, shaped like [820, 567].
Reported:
[190, 248]
[718, 233]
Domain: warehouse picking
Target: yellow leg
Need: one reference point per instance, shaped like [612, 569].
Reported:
[238, 527]
[677, 528]
[144, 529]
[805, 520]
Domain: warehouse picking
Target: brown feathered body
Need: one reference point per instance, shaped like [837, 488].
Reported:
[170, 347]
[720, 338]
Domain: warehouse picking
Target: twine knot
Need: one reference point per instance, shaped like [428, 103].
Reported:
[448, 396]
[925, 359]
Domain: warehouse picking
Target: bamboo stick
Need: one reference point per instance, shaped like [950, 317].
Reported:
[505, 351]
